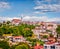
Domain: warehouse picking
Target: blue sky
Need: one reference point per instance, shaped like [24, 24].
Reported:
[41, 10]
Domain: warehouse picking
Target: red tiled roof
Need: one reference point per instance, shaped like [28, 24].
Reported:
[17, 36]
[16, 20]
[58, 44]
[50, 42]
[51, 38]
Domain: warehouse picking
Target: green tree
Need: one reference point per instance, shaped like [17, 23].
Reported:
[22, 45]
[4, 45]
[8, 22]
[1, 32]
[45, 36]
[51, 35]
[48, 31]
[4, 30]
[0, 24]
[27, 33]
[40, 42]
[16, 30]
[13, 46]
[58, 31]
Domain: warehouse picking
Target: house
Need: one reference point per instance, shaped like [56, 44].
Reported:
[57, 46]
[43, 38]
[16, 21]
[49, 45]
[52, 27]
[58, 39]
[45, 28]
[52, 39]
[36, 31]
[17, 39]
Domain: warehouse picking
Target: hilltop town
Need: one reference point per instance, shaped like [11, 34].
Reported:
[33, 35]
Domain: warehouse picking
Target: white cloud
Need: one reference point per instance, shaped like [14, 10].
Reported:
[8, 18]
[37, 12]
[32, 18]
[4, 5]
[41, 18]
[47, 6]
[57, 19]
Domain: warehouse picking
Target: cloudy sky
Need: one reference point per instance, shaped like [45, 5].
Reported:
[33, 10]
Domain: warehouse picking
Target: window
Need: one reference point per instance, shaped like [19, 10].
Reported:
[45, 47]
[56, 47]
[52, 47]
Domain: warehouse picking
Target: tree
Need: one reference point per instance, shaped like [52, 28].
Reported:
[8, 22]
[32, 41]
[4, 45]
[13, 46]
[4, 30]
[48, 31]
[27, 33]
[45, 36]
[1, 32]
[31, 26]
[40, 42]
[24, 30]
[0, 24]
[58, 31]
[51, 35]
[22, 45]
[16, 30]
